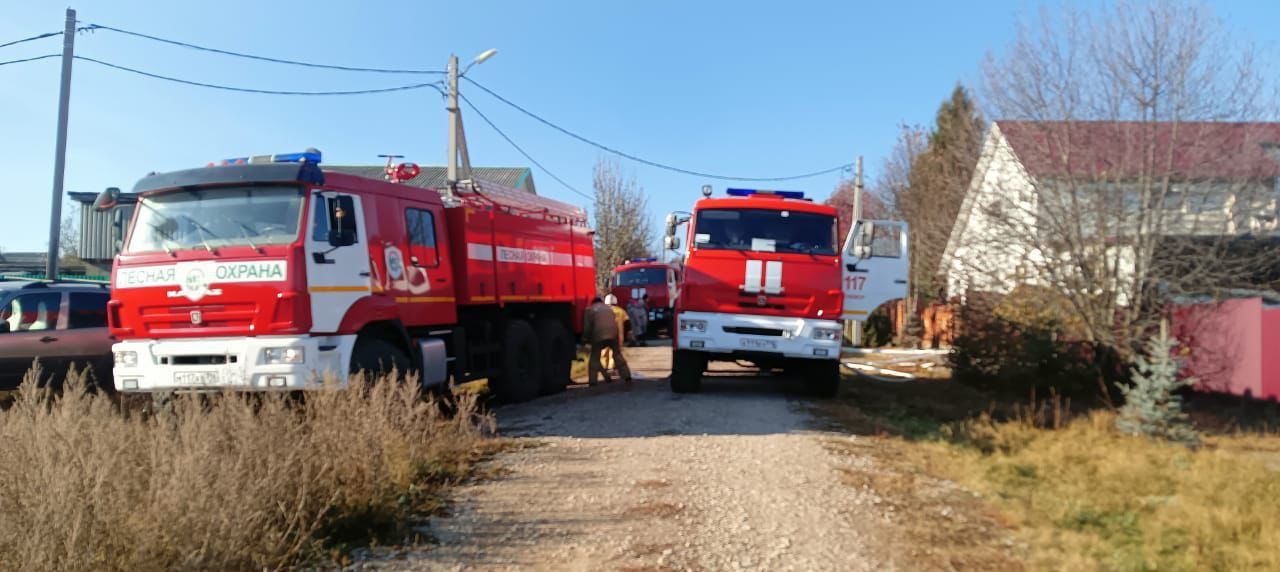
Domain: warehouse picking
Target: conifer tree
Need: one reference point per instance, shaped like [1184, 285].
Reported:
[1152, 406]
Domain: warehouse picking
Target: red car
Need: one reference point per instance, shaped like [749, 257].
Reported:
[60, 323]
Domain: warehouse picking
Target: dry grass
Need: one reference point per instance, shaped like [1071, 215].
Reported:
[1077, 494]
[222, 482]
[1086, 496]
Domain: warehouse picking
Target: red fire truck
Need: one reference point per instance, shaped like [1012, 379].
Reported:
[271, 273]
[765, 281]
[639, 277]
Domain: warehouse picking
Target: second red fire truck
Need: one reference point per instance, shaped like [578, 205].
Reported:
[271, 273]
[765, 279]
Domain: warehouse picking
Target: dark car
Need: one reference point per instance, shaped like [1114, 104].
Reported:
[61, 323]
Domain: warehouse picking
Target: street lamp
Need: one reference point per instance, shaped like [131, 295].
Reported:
[489, 53]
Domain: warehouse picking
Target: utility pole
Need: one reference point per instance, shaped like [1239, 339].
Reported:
[855, 329]
[452, 107]
[457, 133]
[60, 152]
[857, 190]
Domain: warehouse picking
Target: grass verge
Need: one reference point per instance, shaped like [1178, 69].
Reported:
[1075, 493]
[225, 481]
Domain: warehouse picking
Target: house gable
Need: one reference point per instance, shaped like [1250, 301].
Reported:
[1001, 187]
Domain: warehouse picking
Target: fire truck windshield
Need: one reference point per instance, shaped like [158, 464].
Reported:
[765, 230]
[216, 217]
[640, 277]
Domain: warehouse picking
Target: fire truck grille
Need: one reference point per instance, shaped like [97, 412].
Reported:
[753, 331]
[185, 318]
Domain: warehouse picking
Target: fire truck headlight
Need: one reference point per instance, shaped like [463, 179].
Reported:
[126, 359]
[282, 355]
[699, 326]
[826, 334]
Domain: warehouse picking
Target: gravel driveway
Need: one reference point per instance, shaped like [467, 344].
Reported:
[643, 479]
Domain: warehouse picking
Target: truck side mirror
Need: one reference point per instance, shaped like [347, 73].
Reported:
[107, 199]
[671, 242]
[672, 221]
[342, 221]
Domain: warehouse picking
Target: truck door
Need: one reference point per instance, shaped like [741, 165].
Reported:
[424, 288]
[337, 257]
[874, 265]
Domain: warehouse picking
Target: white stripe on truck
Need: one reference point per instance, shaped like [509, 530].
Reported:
[751, 282]
[773, 277]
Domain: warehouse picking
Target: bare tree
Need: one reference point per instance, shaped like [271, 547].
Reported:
[1131, 184]
[69, 234]
[622, 225]
[874, 206]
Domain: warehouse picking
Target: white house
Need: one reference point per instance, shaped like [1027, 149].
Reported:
[1041, 189]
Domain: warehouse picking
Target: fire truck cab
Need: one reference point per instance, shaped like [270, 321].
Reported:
[765, 280]
[270, 273]
[637, 278]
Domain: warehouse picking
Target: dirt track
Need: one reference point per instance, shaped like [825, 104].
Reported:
[643, 479]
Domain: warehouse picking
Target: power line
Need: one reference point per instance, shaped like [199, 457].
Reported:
[93, 27]
[434, 85]
[32, 38]
[522, 151]
[30, 59]
[664, 166]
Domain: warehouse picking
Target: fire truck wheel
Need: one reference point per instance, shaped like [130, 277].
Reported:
[686, 371]
[521, 370]
[558, 349]
[824, 378]
[376, 357]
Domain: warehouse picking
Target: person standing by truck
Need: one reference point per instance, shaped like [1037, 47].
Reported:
[601, 331]
[638, 311]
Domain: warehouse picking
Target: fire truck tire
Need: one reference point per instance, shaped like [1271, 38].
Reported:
[521, 370]
[824, 378]
[557, 349]
[686, 371]
[376, 356]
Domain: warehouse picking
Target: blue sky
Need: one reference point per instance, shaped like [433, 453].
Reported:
[742, 88]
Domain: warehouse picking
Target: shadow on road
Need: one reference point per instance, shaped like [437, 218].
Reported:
[729, 404]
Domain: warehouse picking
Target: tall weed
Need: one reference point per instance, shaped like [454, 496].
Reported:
[220, 481]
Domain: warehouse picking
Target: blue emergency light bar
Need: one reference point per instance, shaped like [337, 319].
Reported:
[308, 156]
[749, 192]
[635, 260]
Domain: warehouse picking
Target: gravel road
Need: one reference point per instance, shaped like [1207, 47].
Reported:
[642, 479]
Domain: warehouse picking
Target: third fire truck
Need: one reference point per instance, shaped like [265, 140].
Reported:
[640, 277]
[766, 280]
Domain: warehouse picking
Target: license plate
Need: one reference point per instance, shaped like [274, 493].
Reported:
[759, 344]
[196, 378]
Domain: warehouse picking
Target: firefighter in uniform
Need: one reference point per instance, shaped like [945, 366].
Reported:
[601, 329]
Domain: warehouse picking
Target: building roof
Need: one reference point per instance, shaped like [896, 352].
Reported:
[1196, 150]
[436, 177]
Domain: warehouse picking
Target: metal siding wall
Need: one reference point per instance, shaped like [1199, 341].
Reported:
[95, 232]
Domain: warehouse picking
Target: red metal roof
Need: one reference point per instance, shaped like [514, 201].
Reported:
[1188, 150]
